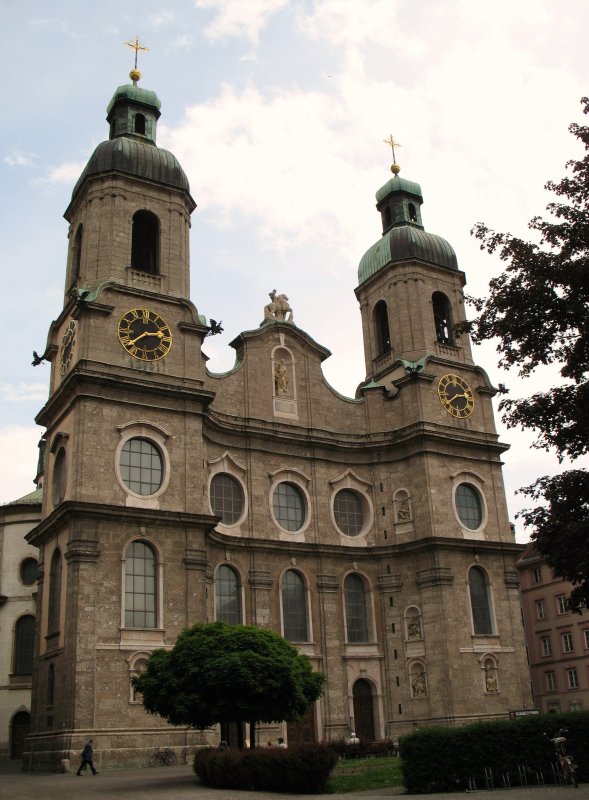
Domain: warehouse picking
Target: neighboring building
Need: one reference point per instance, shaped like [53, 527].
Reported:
[18, 582]
[557, 640]
[371, 532]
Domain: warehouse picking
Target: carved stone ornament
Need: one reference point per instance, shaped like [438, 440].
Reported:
[278, 308]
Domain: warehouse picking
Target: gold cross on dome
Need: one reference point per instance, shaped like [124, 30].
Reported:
[390, 141]
[136, 46]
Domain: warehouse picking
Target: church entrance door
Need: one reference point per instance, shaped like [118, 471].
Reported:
[21, 723]
[363, 710]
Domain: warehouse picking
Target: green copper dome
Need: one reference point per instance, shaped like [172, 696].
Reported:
[404, 239]
[131, 149]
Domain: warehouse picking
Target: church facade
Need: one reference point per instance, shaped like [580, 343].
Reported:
[372, 532]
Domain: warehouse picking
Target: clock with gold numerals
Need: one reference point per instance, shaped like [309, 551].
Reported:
[66, 351]
[456, 396]
[144, 334]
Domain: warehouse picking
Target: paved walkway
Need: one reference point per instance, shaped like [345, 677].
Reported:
[180, 783]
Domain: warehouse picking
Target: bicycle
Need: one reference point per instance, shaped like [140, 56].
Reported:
[564, 768]
[166, 758]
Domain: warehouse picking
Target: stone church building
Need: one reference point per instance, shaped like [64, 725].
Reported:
[372, 532]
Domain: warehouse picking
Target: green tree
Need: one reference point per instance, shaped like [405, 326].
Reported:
[228, 673]
[538, 311]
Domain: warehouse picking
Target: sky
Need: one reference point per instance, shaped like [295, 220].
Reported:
[277, 112]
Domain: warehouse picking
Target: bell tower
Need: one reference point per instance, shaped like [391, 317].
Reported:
[409, 287]
[124, 412]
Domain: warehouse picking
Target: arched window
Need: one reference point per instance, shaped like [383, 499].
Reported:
[412, 213]
[140, 124]
[54, 593]
[294, 607]
[480, 601]
[442, 318]
[381, 322]
[24, 637]
[51, 685]
[145, 242]
[356, 617]
[140, 586]
[226, 498]
[227, 596]
[387, 217]
[77, 254]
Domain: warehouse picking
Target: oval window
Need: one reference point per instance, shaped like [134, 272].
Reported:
[348, 512]
[288, 504]
[226, 498]
[141, 466]
[469, 506]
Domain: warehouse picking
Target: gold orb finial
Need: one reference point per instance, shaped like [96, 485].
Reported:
[395, 168]
[135, 75]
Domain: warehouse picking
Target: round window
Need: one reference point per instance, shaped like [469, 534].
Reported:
[141, 466]
[28, 571]
[59, 477]
[469, 506]
[226, 498]
[288, 504]
[348, 512]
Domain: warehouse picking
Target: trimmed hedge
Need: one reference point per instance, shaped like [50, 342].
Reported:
[444, 759]
[300, 770]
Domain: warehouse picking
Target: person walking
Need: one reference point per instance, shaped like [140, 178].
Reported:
[87, 759]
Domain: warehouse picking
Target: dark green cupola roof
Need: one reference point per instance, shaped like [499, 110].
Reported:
[404, 238]
[132, 115]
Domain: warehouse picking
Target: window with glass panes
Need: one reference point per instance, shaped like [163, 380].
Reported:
[567, 642]
[540, 609]
[294, 607]
[347, 510]
[227, 596]
[24, 636]
[141, 466]
[288, 505]
[546, 646]
[226, 498]
[469, 506]
[572, 678]
[479, 601]
[140, 586]
[561, 604]
[356, 617]
[550, 681]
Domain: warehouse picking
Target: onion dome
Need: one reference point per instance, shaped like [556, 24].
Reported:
[131, 148]
[404, 238]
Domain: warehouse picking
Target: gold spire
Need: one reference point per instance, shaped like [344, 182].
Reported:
[135, 75]
[395, 168]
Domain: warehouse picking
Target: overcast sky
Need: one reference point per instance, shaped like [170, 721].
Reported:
[277, 111]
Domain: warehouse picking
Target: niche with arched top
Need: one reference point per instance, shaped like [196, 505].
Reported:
[284, 383]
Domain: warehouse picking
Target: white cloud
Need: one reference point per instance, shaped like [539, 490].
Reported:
[23, 392]
[18, 461]
[244, 18]
[18, 158]
[67, 173]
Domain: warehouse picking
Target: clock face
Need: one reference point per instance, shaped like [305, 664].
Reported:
[456, 396]
[66, 351]
[144, 334]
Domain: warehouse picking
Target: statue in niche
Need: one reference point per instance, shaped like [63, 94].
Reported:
[280, 377]
[490, 680]
[413, 628]
[418, 686]
[403, 510]
[278, 308]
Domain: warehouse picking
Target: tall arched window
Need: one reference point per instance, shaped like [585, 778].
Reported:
[442, 318]
[77, 254]
[24, 637]
[140, 586]
[381, 322]
[140, 123]
[227, 596]
[480, 601]
[54, 592]
[356, 617]
[51, 685]
[294, 607]
[145, 242]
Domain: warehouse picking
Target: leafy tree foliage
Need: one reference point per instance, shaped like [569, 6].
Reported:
[538, 310]
[228, 673]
